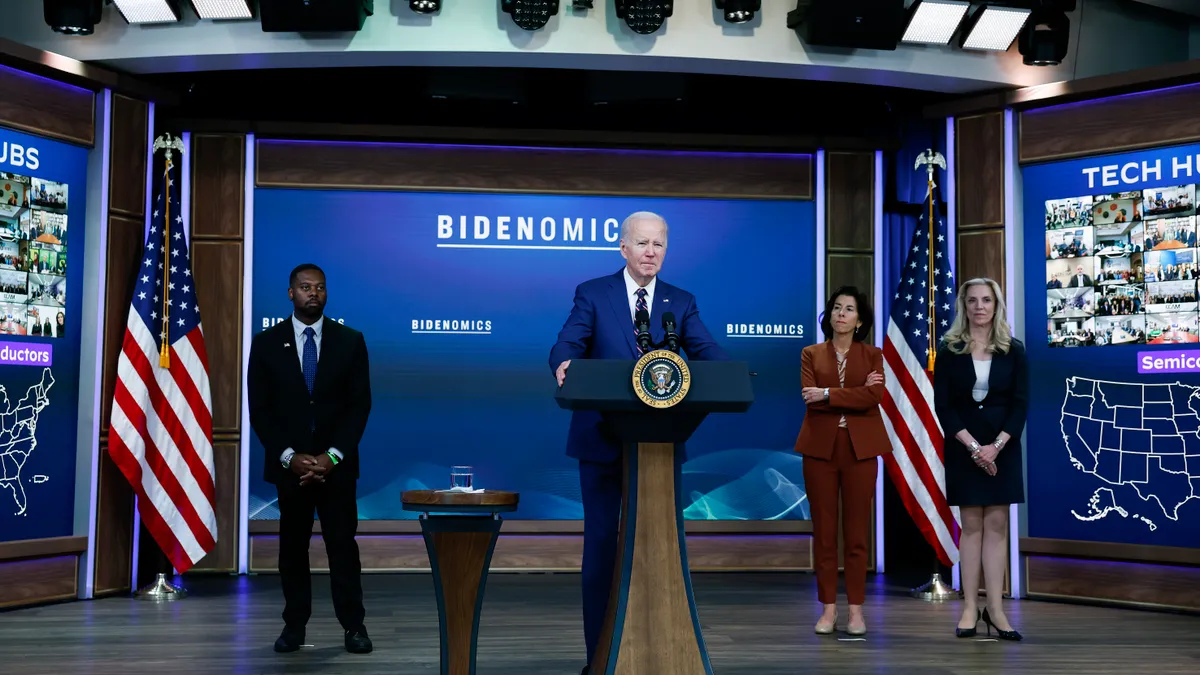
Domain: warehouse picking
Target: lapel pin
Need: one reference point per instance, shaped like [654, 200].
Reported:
[287, 344]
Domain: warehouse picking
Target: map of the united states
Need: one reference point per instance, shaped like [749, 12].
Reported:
[18, 437]
[1144, 436]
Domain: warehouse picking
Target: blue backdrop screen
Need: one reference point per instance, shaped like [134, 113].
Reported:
[1111, 273]
[461, 296]
[42, 205]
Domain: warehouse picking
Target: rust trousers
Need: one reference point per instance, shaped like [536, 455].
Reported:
[853, 480]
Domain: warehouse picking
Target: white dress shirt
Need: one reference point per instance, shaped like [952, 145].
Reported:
[631, 288]
[298, 327]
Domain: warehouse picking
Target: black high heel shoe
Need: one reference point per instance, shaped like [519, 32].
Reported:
[967, 632]
[1003, 634]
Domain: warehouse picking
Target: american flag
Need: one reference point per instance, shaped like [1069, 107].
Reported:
[162, 411]
[922, 311]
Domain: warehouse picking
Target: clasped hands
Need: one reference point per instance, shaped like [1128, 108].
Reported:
[814, 394]
[985, 458]
[311, 468]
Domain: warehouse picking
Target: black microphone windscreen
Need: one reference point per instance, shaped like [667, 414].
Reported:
[641, 317]
[668, 319]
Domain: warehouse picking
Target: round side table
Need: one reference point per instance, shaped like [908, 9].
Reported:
[460, 530]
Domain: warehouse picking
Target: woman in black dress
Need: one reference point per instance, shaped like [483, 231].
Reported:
[980, 390]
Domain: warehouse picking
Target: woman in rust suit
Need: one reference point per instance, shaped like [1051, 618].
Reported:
[842, 435]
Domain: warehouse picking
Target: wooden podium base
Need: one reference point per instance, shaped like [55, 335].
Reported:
[460, 531]
[652, 627]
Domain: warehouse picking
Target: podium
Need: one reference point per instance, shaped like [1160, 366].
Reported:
[652, 627]
[460, 531]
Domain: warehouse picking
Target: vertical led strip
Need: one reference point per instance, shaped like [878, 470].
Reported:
[137, 521]
[1012, 221]
[880, 331]
[185, 191]
[820, 247]
[97, 217]
[951, 251]
[247, 324]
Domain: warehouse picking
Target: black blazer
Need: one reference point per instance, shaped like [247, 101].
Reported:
[1003, 409]
[282, 413]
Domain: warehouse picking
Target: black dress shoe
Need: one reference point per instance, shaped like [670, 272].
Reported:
[357, 641]
[587, 670]
[290, 640]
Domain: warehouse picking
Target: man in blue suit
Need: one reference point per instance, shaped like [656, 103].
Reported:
[601, 327]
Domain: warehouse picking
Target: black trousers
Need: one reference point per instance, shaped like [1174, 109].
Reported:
[335, 502]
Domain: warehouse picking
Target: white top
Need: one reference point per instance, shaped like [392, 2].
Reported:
[982, 370]
[631, 289]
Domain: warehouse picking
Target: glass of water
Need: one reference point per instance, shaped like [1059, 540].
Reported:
[460, 477]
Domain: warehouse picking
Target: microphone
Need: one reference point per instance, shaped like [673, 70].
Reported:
[641, 321]
[668, 323]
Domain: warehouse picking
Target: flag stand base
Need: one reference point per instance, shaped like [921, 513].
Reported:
[161, 590]
[934, 591]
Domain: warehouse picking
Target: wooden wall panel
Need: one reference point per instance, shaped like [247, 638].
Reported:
[127, 193]
[850, 201]
[1133, 584]
[559, 553]
[218, 179]
[126, 235]
[124, 254]
[218, 164]
[979, 164]
[1107, 125]
[981, 253]
[1098, 550]
[114, 527]
[41, 580]
[857, 269]
[227, 464]
[541, 170]
[217, 266]
[42, 106]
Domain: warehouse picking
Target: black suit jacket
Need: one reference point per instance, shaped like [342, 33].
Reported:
[283, 414]
[1003, 409]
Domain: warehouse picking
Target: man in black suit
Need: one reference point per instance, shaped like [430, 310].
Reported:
[310, 395]
[1080, 280]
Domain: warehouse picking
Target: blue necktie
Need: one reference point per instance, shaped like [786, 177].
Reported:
[309, 363]
[639, 306]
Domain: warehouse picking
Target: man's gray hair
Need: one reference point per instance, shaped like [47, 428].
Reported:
[642, 215]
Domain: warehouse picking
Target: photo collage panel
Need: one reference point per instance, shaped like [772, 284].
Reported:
[33, 256]
[1121, 268]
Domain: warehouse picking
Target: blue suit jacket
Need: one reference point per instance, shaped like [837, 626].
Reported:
[600, 327]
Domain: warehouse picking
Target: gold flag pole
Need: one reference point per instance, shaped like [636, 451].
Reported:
[935, 590]
[162, 590]
[169, 143]
[930, 159]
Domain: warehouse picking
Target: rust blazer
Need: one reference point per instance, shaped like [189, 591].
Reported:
[859, 403]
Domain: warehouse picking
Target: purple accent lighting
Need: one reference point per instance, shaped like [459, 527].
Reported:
[547, 148]
[26, 354]
[1164, 361]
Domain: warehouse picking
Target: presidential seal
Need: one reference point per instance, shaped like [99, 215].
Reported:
[661, 378]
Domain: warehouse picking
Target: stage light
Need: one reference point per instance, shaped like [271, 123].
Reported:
[1044, 39]
[581, 4]
[148, 11]
[425, 6]
[739, 11]
[530, 14]
[993, 28]
[849, 24]
[644, 16]
[933, 22]
[223, 9]
[72, 17]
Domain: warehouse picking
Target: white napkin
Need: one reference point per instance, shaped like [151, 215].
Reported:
[463, 489]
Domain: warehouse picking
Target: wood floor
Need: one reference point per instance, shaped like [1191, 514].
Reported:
[754, 624]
